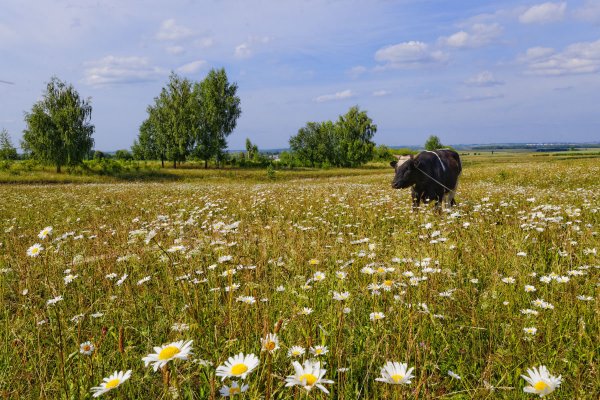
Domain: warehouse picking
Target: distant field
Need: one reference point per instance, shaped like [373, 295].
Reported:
[221, 257]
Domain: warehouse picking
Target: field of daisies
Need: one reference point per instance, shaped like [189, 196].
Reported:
[324, 288]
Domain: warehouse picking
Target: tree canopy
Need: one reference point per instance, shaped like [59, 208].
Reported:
[345, 143]
[58, 130]
[189, 119]
[7, 150]
[433, 143]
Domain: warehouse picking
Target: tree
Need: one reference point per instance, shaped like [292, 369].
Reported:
[7, 150]
[123, 155]
[59, 131]
[355, 130]
[251, 149]
[433, 143]
[219, 109]
[305, 143]
[146, 147]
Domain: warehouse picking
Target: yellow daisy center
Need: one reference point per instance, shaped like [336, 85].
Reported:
[296, 352]
[239, 369]
[309, 379]
[397, 377]
[388, 283]
[541, 385]
[381, 270]
[168, 353]
[86, 347]
[234, 390]
[35, 250]
[318, 351]
[112, 383]
[270, 346]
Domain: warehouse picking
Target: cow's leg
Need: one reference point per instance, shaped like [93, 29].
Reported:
[416, 197]
[452, 193]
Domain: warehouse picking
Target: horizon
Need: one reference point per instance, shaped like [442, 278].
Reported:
[485, 72]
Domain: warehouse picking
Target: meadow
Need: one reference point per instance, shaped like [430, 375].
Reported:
[333, 264]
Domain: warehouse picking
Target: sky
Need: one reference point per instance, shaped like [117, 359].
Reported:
[469, 71]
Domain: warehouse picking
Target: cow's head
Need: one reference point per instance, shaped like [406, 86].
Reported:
[406, 173]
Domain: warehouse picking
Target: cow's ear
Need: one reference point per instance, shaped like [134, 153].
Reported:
[393, 164]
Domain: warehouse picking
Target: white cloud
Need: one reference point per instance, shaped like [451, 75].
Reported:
[119, 70]
[192, 67]
[409, 54]
[478, 98]
[175, 50]
[476, 35]
[577, 58]
[169, 30]
[346, 94]
[590, 11]
[357, 71]
[482, 79]
[381, 93]
[543, 13]
[247, 49]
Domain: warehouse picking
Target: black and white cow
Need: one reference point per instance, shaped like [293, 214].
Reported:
[433, 175]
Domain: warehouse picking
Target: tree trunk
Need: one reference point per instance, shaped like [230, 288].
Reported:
[58, 168]
[162, 162]
[174, 164]
[205, 164]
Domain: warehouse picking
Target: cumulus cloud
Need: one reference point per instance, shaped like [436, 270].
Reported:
[192, 67]
[247, 49]
[476, 35]
[577, 58]
[483, 79]
[346, 94]
[543, 13]
[409, 54]
[169, 30]
[120, 70]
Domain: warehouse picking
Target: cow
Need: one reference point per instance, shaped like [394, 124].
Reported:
[433, 175]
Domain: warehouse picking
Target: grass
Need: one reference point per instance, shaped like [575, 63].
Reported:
[451, 303]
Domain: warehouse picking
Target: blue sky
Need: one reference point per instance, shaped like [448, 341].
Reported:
[467, 71]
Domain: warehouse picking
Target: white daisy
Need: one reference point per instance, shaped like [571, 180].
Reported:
[376, 316]
[113, 381]
[454, 375]
[86, 348]
[238, 366]
[541, 381]
[319, 350]
[395, 373]
[308, 376]
[165, 353]
[296, 351]
[270, 343]
[45, 232]
[230, 391]
[35, 250]
[341, 296]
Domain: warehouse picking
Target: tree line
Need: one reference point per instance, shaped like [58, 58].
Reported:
[189, 121]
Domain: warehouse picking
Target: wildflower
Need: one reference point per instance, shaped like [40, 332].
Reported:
[69, 278]
[180, 327]
[475, 280]
[529, 311]
[530, 331]
[308, 376]
[163, 354]
[230, 391]
[541, 381]
[120, 281]
[318, 276]
[376, 316]
[319, 350]
[296, 351]
[563, 279]
[341, 275]
[143, 280]
[314, 261]
[53, 301]
[529, 288]
[346, 310]
[395, 373]
[246, 299]
[45, 232]
[270, 343]
[545, 279]
[113, 381]
[341, 296]
[306, 311]
[34, 250]
[238, 366]
[509, 280]
[585, 298]
[454, 375]
[86, 348]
